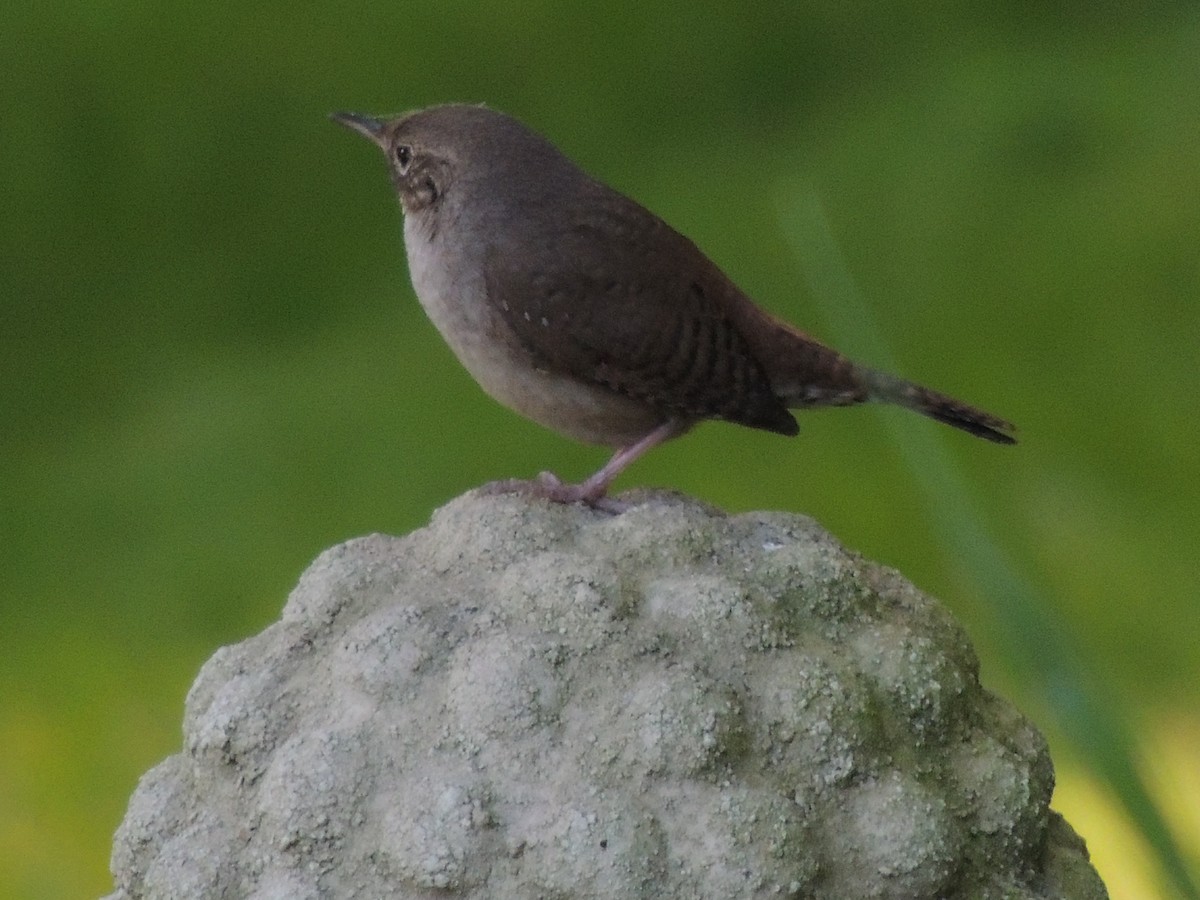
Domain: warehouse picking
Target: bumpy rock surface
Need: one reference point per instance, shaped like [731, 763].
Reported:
[533, 701]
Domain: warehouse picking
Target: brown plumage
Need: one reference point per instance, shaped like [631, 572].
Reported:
[584, 311]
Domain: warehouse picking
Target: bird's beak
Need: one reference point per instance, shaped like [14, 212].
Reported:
[370, 128]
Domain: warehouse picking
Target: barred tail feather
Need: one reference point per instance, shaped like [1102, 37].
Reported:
[891, 389]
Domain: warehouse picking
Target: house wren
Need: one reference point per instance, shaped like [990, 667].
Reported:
[583, 311]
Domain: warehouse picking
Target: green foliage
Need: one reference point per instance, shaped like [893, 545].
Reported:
[212, 366]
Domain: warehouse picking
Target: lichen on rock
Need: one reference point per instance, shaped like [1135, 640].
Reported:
[528, 700]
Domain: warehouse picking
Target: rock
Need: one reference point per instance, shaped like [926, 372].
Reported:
[525, 700]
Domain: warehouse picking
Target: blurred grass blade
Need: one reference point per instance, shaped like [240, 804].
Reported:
[1041, 650]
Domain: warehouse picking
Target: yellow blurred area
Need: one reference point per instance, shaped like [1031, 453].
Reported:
[1173, 770]
[1118, 850]
[40, 814]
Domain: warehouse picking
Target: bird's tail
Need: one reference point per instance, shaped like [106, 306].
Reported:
[806, 373]
[890, 389]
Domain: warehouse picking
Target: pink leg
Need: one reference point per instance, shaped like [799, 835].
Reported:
[593, 490]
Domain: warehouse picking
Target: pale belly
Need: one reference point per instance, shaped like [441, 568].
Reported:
[455, 302]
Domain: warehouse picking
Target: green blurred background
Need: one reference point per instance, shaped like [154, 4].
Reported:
[212, 364]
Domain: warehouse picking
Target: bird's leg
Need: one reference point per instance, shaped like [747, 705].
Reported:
[593, 490]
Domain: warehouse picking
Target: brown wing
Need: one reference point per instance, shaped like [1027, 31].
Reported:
[618, 298]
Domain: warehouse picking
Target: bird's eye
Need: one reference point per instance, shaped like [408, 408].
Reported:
[403, 155]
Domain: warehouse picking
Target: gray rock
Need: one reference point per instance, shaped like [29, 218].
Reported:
[533, 701]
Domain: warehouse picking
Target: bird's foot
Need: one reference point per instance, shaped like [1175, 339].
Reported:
[550, 487]
[594, 491]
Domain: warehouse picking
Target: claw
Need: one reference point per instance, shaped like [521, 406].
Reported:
[592, 492]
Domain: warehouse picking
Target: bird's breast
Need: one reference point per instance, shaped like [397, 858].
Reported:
[451, 289]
